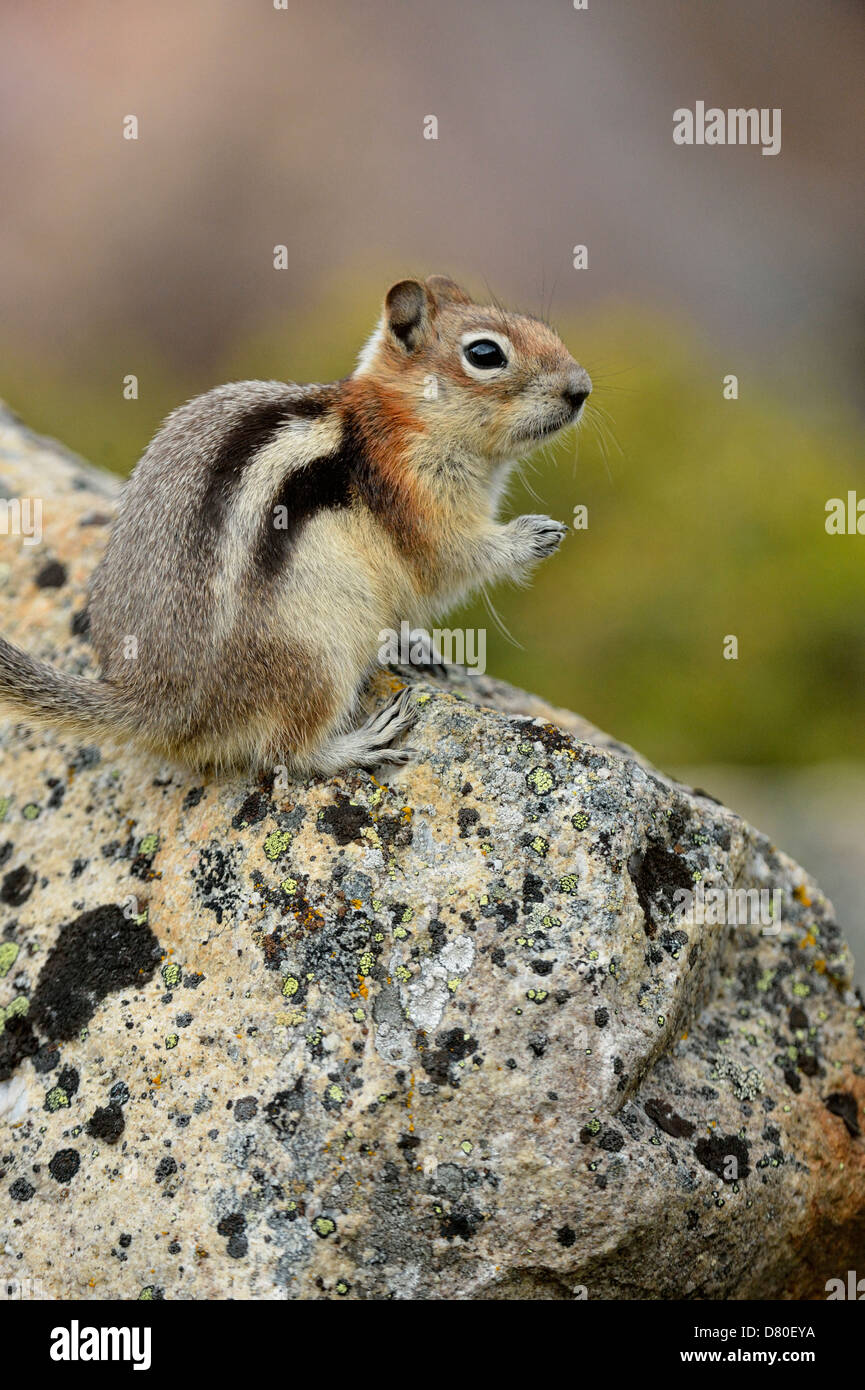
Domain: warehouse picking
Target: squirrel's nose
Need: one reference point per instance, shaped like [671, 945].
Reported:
[578, 388]
[575, 395]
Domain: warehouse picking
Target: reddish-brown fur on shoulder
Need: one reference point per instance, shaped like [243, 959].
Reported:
[384, 424]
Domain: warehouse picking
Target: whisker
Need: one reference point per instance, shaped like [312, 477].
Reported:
[491, 609]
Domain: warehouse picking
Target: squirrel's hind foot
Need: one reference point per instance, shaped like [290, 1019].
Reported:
[370, 744]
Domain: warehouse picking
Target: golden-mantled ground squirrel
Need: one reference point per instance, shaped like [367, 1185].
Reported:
[272, 531]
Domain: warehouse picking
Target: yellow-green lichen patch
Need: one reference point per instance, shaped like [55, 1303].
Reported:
[172, 1040]
[171, 975]
[31, 811]
[56, 1099]
[19, 1006]
[580, 820]
[8, 955]
[5, 803]
[290, 986]
[289, 885]
[277, 843]
[541, 780]
[568, 883]
[323, 1226]
[149, 845]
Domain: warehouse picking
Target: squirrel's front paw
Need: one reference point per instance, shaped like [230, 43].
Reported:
[538, 536]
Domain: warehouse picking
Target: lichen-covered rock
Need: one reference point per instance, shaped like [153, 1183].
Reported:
[445, 1035]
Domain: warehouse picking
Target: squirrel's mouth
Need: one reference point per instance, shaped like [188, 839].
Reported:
[534, 434]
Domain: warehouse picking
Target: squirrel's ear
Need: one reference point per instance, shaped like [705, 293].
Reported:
[445, 291]
[408, 308]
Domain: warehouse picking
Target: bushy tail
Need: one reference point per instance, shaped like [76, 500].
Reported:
[48, 696]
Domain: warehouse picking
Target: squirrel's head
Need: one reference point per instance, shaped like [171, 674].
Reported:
[486, 380]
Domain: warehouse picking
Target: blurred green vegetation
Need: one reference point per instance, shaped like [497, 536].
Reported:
[706, 518]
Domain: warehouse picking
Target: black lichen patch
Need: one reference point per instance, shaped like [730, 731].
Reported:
[17, 886]
[566, 1235]
[407, 1144]
[64, 1165]
[462, 1220]
[553, 740]
[674, 942]
[97, 954]
[467, 816]
[69, 1081]
[542, 967]
[656, 875]
[107, 1123]
[395, 832]
[843, 1104]
[798, 1018]
[216, 881]
[233, 1228]
[665, 1117]
[715, 1153]
[452, 1046]
[46, 1059]
[344, 821]
[52, 575]
[165, 1168]
[192, 798]
[254, 809]
[58, 791]
[21, 1190]
[533, 891]
[285, 1111]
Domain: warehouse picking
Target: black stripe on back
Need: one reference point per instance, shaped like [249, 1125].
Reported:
[324, 482]
[252, 432]
[331, 481]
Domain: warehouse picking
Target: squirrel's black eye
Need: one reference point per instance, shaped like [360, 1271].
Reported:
[486, 354]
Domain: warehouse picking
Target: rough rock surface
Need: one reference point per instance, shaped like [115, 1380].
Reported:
[439, 1036]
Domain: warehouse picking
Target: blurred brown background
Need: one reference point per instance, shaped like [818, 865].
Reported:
[304, 127]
